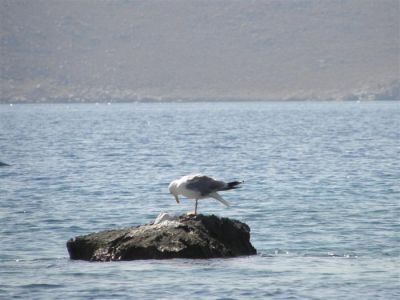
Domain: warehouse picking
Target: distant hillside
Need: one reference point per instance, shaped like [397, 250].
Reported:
[161, 50]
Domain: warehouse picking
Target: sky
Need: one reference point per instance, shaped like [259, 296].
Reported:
[162, 50]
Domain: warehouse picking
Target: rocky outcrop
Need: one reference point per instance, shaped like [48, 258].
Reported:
[168, 237]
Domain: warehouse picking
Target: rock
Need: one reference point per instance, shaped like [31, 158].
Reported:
[171, 237]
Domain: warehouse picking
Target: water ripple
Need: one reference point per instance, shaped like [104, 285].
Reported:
[320, 195]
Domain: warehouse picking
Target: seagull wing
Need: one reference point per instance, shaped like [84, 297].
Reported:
[205, 185]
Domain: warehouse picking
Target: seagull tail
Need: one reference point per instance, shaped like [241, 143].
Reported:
[218, 197]
[232, 185]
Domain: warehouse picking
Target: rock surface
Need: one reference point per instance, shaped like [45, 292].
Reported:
[173, 237]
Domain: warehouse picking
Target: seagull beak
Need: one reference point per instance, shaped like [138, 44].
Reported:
[176, 198]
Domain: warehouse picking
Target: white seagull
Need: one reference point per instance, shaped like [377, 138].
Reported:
[199, 186]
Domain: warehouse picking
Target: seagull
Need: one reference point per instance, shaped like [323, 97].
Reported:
[199, 186]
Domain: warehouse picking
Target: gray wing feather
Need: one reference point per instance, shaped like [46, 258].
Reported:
[205, 185]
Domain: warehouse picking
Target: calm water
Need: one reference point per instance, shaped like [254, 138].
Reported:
[321, 196]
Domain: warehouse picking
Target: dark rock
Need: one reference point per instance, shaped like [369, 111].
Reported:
[179, 237]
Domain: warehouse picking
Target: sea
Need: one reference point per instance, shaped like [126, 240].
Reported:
[321, 195]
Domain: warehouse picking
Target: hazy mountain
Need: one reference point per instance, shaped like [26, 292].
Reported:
[132, 50]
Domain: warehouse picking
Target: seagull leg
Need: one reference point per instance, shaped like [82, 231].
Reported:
[193, 213]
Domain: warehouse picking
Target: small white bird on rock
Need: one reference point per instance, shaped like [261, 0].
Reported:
[199, 186]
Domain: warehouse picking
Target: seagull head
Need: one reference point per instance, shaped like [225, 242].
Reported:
[173, 189]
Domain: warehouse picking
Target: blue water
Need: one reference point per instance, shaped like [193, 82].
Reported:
[321, 196]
